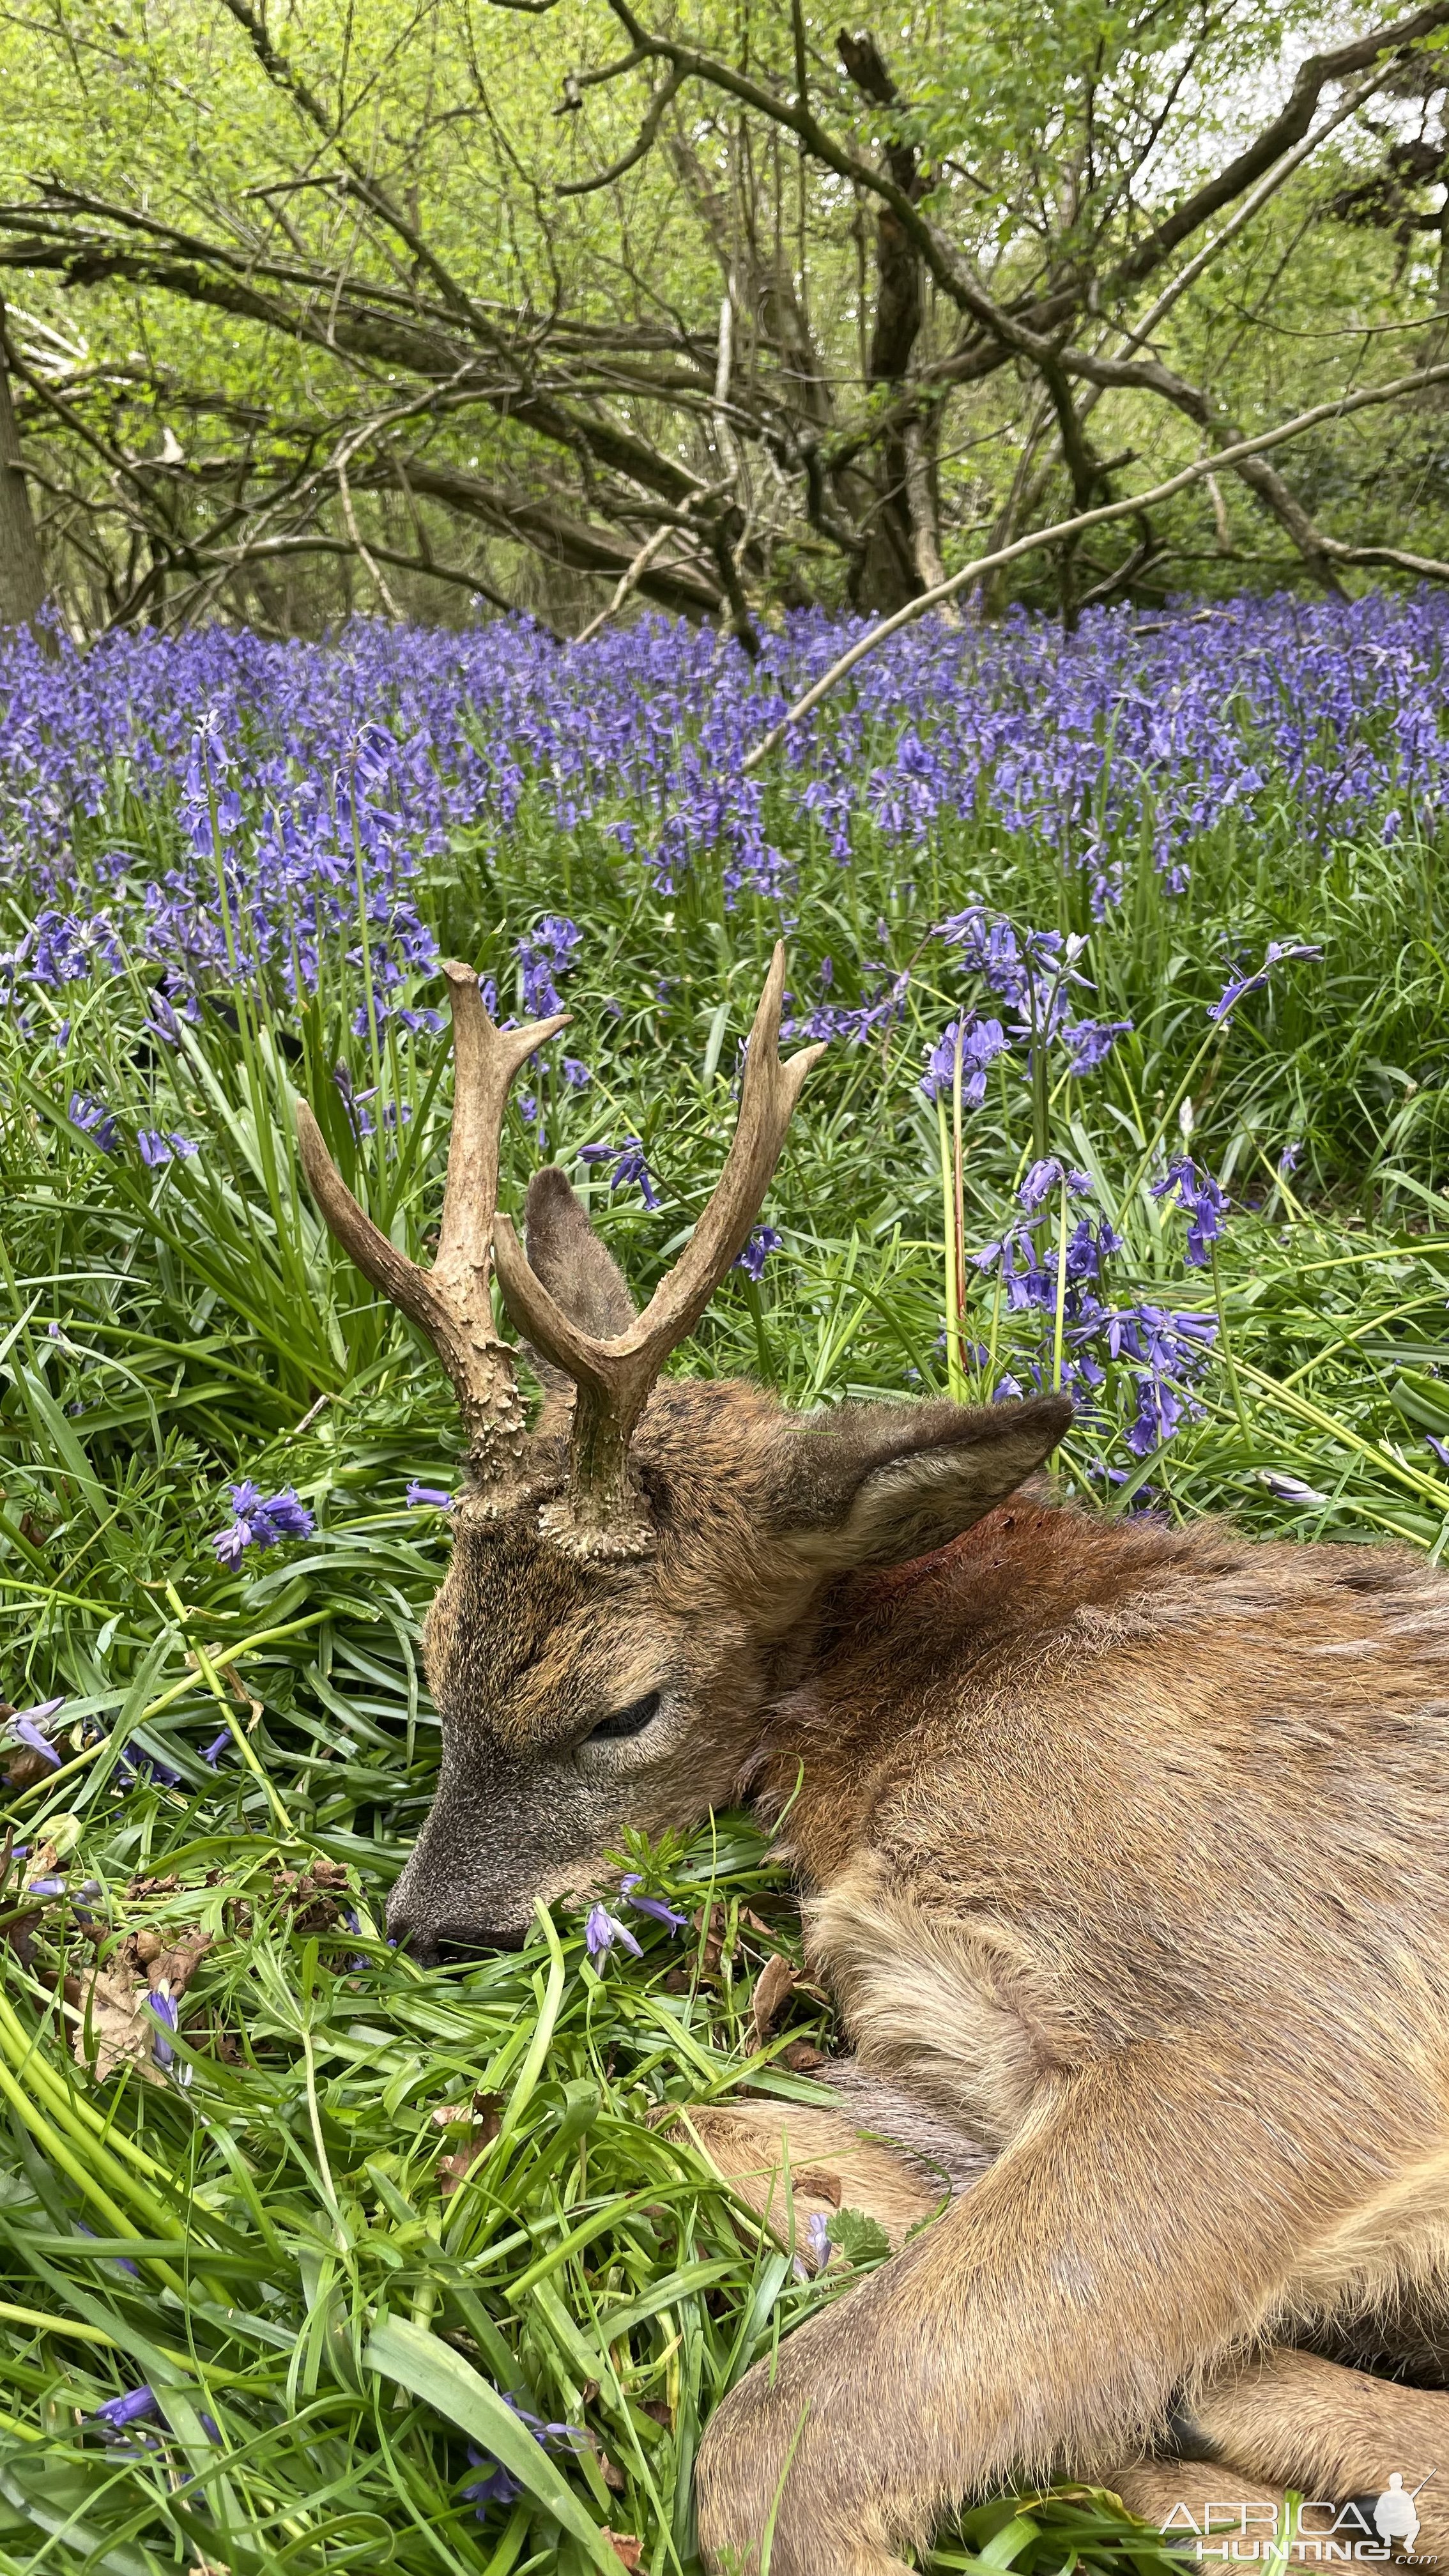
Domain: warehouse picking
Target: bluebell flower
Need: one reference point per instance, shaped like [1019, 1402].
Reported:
[977, 1043]
[136, 2407]
[1043, 1177]
[1289, 1160]
[95, 1120]
[155, 1149]
[164, 2008]
[576, 1074]
[654, 1906]
[1203, 1201]
[547, 951]
[817, 2239]
[25, 1726]
[757, 1251]
[603, 1929]
[260, 1523]
[219, 1744]
[1238, 985]
[498, 2485]
[1090, 1042]
[630, 1169]
[1289, 1489]
[429, 1498]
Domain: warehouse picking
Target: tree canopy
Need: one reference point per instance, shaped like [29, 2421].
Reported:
[723, 305]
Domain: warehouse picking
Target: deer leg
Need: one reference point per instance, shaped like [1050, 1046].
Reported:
[1041, 2323]
[795, 2163]
[1333, 2433]
[1170, 2495]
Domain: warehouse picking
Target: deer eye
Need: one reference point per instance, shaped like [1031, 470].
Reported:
[627, 1721]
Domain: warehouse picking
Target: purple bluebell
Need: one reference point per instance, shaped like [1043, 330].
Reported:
[603, 1929]
[976, 1043]
[546, 952]
[653, 1906]
[164, 2008]
[1289, 1489]
[138, 2406]
[429, 1498]
[26, 1723]
[219, 1744]
[817, 2239]
[757, 1251]
[1289, 1160]
[1439, 1447]
[95, 1120]
[155, 1149]
[630, 1171]
[575, 1073]
[1238, 985]
[1202, 1200]
[1090, 1042]
[1043, 1177]
[122, 2263]
[260, 1523]
[498, 2485]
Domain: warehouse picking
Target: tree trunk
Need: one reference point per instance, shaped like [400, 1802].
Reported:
[888, 573]
[22, 576]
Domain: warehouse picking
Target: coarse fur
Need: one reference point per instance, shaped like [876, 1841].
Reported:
[1123, 1852]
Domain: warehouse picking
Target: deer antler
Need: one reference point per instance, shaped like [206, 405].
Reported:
[604, 1514]
[450, 1302]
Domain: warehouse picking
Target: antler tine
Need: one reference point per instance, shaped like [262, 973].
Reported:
[450, 1303]
[613, 1378]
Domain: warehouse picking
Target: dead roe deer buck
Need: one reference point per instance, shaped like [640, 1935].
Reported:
[1124, 1855]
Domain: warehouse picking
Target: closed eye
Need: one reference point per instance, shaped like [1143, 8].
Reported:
[627, 1721]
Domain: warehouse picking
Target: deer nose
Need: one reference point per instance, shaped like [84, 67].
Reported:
[432, 1943]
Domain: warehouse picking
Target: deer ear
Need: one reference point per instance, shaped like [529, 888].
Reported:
[575, 1267]
[883, 1484]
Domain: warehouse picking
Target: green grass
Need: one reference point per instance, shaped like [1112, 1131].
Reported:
[299, 2274]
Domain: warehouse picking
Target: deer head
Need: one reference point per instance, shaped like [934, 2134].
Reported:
[635, 1582]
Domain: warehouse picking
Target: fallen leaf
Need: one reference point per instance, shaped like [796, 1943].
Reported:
[625, 2547]
[774, 1986]
[818, 2182]
[120, 2025]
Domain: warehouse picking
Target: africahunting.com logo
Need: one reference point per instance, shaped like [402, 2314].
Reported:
[1248, 2529]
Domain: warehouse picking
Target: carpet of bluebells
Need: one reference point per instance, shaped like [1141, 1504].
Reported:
[1131, 950]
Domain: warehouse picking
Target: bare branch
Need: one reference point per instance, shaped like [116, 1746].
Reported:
[643, 143]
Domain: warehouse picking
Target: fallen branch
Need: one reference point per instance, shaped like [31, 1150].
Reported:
[1103, 517]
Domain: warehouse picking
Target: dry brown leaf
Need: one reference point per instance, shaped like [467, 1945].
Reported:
[773, 1988]
[116, 2018]
[625, 2547]
[802, 2057]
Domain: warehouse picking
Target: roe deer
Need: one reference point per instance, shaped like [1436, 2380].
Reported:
[1123, 1852]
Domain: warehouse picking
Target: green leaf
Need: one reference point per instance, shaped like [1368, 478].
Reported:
[860, 2239]
[430, 2369]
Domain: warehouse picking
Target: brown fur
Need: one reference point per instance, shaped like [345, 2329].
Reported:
[1123, 1851]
